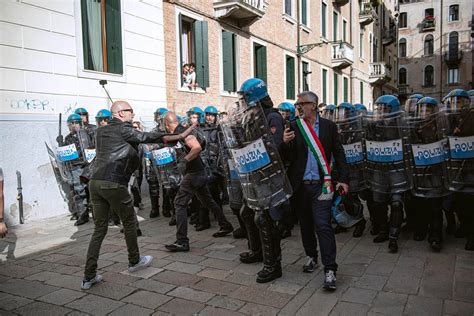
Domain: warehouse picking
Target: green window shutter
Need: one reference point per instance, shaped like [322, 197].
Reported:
[290, 78]
[305, 76]
[325, 85]
[228, 60]
[304, 14]
[361, 92]
[334, 26]
[260, 61]
[346, 89]
[344, 31]
[201, 54]
[180, 25]
[113, 27]
[85, 38]
[323, 19]
[336, 88]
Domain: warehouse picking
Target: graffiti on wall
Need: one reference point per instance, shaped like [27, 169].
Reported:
[31, 105]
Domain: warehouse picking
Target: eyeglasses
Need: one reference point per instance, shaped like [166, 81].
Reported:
[127, 110]
[303, 103]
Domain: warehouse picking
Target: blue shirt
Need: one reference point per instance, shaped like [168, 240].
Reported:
[311, 171]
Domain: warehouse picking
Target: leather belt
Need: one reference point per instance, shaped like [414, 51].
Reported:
[311, 181]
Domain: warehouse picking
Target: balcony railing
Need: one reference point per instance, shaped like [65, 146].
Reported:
[428, 24]
[404, 90]
[379, 73]
[342, 55]
[244, 12]
[453, 57]
[389, 35]
[367, 13]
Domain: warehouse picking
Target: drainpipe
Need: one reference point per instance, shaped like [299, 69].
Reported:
[441, 52]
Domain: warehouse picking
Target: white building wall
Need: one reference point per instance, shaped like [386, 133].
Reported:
[41, 75]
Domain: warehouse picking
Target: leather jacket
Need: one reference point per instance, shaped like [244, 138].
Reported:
[117, 155]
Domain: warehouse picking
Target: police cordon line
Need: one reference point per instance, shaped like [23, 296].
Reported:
[410, 163]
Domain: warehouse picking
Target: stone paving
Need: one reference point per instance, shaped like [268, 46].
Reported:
[42, 266]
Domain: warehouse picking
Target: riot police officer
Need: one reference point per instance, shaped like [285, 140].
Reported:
[410, 105]
[89, 128]
[287, 111]
[103, 117]
[329, 112]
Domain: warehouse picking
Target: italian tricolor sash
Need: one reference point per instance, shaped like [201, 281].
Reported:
[318, 151]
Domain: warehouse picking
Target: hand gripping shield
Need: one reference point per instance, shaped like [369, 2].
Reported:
[256, 158]
[165, 161]
[387, 153]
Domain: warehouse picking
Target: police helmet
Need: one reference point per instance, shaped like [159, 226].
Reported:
[346, 214]
[425, 107]
[360, 109]
[81, 111]
[457, 100]
[344, 111]
[196, 110]
[387, 104]
[74, 118]
[411, 102]
[253, 90]
[104, 113]
[287, 110]
[329, 112]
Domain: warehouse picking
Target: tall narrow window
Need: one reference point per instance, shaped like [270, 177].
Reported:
[429, 45]
[325, 85]
[344, 30]
[102, 35]
[402, 76]
[361, 91]
[336, 88]
[453, 75]
[429, 12]
[229, 63]
[429, 76]
[194, 53]
[346, 89]
[288, 7]
[402, 48]
[453, 13]
[260, 61]
[402, 20]
[306, 72]
[361, 44]
[290, 78]
[324, 9]
[453, 43]
[335, 22]
[304, 12]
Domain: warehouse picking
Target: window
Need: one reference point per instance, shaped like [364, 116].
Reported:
[336, 88]
[325, 85]
[453, 43]
[402, 76]
[193, 42]
[361, 91]
[288, 7]
[346, 89]
[361, 44]
[102, 36]
[453, 13]
[429, 12]
[260, 61]
[229, 61]
[429, 46]
[324, 9]
[402, 20]
[402, 48]
[335, 22]
[306, 72]
[290, 77]
[304, 12]
[453, 75]
[429, 76]
[344, 30]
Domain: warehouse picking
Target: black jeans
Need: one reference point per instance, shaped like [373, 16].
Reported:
[315, 216]
[194, 184]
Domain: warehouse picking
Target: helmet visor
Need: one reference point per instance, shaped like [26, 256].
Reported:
[329, 114]
[343, 114]
[424, 110]
[457, 104]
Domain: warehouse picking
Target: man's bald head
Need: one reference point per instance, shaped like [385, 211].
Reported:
[171, 121]
[119, 106]
[122, 110]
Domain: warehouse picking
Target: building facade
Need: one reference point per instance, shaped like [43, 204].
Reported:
[342, 50]
[52, 56]
[435, 47]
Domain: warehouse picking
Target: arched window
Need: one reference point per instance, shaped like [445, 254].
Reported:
[429, 45]
[402, 48]
[402, 76]
[429, 76]
[453, 42]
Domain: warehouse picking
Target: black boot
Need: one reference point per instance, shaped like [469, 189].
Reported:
[469, 244]
[251, 257]
[83, 219]
[359, 229]
[255, 247]
[451, 222]
[381, 237]
[269, 273]
[239, 233]
[270, 237]
[155, 206]
[393, 246]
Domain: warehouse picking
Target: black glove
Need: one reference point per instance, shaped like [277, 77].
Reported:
[60, 140]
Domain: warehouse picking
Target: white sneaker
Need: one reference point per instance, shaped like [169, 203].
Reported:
[87, 284]
[144, 262]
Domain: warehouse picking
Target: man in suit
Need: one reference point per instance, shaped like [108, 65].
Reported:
[310, 176]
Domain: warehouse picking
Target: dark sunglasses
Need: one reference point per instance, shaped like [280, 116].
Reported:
[128, 110]
[303, 103]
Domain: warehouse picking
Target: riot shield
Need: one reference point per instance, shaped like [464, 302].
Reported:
[351, 134]
[257, 161]
[428, 155]
[387, 155]
[165, 162]
[460, 137]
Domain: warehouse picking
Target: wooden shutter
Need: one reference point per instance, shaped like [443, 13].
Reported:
[336, 88]
[260, 60]
[346, 89]
[323, 19]
[228, 61]
[304, 10]
[334, 26]
[201, 53]
[86, 49]
[325, 84]
[290, 78]
[113, 27]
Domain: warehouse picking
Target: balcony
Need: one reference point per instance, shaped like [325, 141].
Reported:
[342, 55]
[389, 35]
[367, 13]
[453, 57]
[428, 24]
[404, 90]
[341, 2]
[379, 73]
[243, 12]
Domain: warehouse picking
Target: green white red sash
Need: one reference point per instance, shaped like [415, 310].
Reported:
[318, 151]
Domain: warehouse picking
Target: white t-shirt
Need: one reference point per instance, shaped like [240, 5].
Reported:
[189, 78]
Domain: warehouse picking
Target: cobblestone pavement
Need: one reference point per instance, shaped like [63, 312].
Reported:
[42, 266]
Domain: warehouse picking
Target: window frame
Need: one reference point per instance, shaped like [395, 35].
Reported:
[345, 31]
[361, 45]
[93, 74]
[432, 45]
[221, 65]
[406, 47]
[324, 92]
[254, 40]
[285, 54]
[335, 35]
[306, 27]
[361, 91]
[405, 14]
[424, 76]
[344, 80]
[324, 25]
[307, 61]
[449, 13]
[335, 88]
[458, 76]
[406, 76]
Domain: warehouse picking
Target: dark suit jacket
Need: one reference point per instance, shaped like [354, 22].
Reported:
[295, 153]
